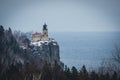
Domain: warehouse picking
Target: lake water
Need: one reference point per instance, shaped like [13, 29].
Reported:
[86, 48]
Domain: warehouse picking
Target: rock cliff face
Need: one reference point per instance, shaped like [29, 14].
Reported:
[47, 52]
[43, 51]
[50, 52]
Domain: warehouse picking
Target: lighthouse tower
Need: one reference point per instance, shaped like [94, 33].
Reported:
[45, 33]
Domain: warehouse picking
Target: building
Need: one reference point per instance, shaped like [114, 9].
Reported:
[36, 37]
[41, 37]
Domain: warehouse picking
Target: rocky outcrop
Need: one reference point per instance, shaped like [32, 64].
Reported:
[43, 51]
[21, 61]
[19, 51]
[47, 52]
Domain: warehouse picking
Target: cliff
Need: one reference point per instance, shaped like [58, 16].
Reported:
[16, 49]
[19, 60]
[40, 51]
[47, 52]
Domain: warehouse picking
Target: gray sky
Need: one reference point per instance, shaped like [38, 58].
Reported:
[61, 15]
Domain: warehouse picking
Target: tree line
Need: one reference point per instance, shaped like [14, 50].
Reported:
[12, 69]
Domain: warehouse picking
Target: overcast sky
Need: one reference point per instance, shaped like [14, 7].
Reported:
[61, 15]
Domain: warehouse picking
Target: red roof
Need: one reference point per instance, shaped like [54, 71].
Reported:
[36, 33]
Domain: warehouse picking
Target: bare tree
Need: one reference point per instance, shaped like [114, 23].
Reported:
[111, 64]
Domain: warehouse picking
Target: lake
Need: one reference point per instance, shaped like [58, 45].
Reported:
[85, 48]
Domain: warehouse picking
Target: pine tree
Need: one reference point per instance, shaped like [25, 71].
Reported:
[93, 76]
[83, 73]
[74, 73]
[114, 76]
[1, 31]
[68, 73]
[46, 72]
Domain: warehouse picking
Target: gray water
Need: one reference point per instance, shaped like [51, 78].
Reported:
[86, 48]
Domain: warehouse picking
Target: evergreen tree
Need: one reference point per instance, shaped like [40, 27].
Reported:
[68, 73]
[83, 73]
[107, 76]
[114, 76]
[1, 31]
[74, 73]
[10, 31]
[1, 39]
[93, 76]
[58, 73]
[46, 72]
[102, 77]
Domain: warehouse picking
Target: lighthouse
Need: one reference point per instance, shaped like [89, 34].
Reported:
[45, 33]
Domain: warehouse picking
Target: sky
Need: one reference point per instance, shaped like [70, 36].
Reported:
[61, 15]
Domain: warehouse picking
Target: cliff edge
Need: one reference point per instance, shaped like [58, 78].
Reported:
[17, 49]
